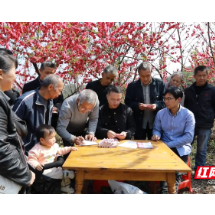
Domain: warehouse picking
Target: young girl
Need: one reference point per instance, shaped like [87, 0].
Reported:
[46, 152]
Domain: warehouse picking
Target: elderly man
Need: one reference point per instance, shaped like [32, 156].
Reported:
[115, 119]
[47, 68]
[78, 117]
[200, 99]
[100, 86]
[35, 107]
[145, 97]
[174, 125]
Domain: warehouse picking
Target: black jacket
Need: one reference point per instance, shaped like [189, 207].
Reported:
[13, 165]
[203, 108]
[134, 96]
[33, 85]
[124, 121]
[100, 90]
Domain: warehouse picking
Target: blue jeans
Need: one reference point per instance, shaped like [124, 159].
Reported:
[203, 136]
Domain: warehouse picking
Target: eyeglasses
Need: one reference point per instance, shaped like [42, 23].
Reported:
[168, 99]
[118, 100]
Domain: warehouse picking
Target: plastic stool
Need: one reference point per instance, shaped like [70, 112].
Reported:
[185, 183]
[98, 184]
[187, 180]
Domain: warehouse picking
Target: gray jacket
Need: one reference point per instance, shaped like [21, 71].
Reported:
[71, 121]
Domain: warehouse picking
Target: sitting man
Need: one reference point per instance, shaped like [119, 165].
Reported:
[78, 117]
[100, 86]
[35, 107]
[174, 125]
[115, 119]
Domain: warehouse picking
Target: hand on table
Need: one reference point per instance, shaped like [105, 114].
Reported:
[78, 140]
[155, 138]
[73, 148]
[111, 134]
[90, 137]
[122, 135]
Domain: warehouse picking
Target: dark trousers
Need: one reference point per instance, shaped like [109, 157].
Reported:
[147, 132]
[178, 176]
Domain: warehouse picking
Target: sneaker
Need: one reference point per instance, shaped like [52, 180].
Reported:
[69, 174]
[67, 189]
[65, 182]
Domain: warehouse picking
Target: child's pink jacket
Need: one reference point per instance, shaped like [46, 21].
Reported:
[42, 155]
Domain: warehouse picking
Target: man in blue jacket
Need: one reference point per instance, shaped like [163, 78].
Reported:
[200, 99]
[35, 107]
[145, 97]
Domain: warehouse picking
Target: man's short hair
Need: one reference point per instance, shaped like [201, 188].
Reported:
[144, 66]
[114, 89]
[51, 79]
[47, 64]
[88, 96]
[43, 131]
[176, 92]
[201, 69]
[111, 70]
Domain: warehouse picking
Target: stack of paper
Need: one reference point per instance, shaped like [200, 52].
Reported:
[89, 143]
[134, 145]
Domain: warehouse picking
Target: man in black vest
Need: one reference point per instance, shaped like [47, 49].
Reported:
[100, 86]
[46, 68]
[200, 99]
[145, 97]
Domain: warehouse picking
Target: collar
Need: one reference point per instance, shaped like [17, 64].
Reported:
[151, 82]
[39, 98]
[179, 110]
[118, 109]
[5, 96]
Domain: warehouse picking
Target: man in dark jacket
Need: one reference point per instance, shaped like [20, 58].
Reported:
[200, 99]
[35, 107]
[115, 119]
[46, 68]
[100, 86]
[145, 97]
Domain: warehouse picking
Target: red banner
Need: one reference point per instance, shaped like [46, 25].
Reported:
[205, 172]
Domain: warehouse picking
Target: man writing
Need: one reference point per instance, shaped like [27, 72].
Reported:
[78, 118]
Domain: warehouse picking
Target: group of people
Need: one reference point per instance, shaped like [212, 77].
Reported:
[153, 110]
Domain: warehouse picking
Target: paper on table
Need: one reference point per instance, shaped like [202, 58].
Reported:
[89, 143]
[129, 144]
[145, 145]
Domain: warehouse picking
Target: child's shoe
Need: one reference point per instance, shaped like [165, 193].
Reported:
[69, 173]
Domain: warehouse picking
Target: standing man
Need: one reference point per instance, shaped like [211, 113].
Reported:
[78, 118]
[46, 68]
[35, 107]
[174, 125]
[200, 99]
[115, 119]
[145, 97]
[100, 86]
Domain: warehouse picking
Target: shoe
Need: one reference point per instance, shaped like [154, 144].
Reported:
[69, 174]
[65, 182]
[67, 189]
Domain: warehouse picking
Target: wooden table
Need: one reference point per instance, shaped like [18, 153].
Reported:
[94, 163]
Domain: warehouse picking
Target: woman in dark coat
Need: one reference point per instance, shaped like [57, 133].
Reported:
[14, 171]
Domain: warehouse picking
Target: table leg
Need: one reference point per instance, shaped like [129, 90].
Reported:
[171, 183]
[79, 182]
